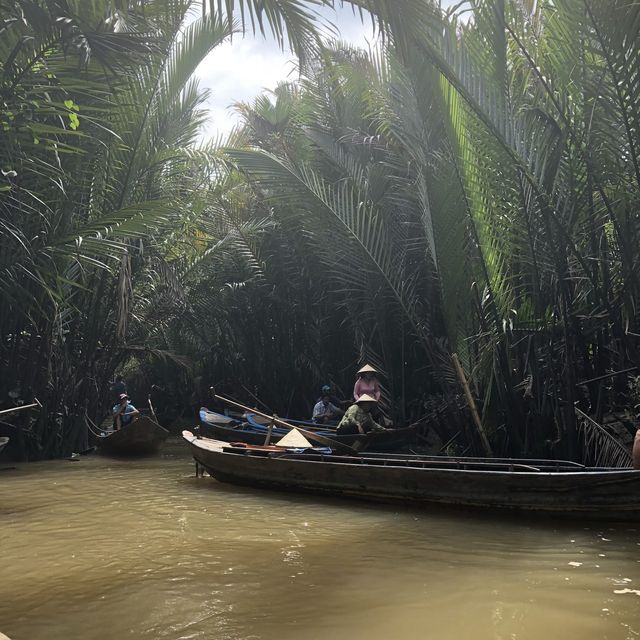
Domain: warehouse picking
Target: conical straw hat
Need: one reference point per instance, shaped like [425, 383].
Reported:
[295, 440]
[365, 397]
[367, 369]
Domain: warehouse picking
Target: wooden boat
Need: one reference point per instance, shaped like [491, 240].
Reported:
[537, 486]
[139, 438]
[254, 431]
[3, 442]
[211, 417]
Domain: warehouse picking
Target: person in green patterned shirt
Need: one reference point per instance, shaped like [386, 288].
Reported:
[357, 418]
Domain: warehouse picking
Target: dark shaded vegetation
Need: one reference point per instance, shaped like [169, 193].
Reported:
[470, 186]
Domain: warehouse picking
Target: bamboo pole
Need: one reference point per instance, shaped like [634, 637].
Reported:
[153, 411]
[605, 376]
[267, 440]
[472, 404]
[255, 397]
[22, 408]
[339, 446]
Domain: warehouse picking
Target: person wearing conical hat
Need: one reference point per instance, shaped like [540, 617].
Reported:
[368, 383]
[358, 418]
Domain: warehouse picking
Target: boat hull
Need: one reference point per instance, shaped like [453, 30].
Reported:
[220, 427]
[142, 437]
[590, 494]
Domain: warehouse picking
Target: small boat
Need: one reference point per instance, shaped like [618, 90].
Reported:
[211, 417]
[558, 488]
[141, 437]
[254, 431]
[3, 442]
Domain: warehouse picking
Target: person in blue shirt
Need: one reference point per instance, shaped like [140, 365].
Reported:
[123, 412]
[325, 411]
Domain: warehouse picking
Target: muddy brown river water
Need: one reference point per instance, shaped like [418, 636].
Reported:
[105, 549]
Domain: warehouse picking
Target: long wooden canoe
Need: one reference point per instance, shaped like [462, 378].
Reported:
[537, 486]
[251, 431]
[141, 437]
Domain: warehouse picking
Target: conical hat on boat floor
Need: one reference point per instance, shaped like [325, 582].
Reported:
[294, 439]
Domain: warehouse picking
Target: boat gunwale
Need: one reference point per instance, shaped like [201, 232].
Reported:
[224, 449]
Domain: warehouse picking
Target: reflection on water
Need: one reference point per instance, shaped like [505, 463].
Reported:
[103, 549]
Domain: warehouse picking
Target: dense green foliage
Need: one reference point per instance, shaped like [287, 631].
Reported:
[101, 189]
[472, 186]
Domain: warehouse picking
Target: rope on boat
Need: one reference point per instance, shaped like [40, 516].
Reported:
[89, 423]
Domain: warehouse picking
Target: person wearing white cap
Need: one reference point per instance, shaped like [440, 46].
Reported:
[123, 412]
[367, 382]
[358, 419]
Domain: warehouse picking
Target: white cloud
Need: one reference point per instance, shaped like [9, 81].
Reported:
[239, 70]
[236, 72]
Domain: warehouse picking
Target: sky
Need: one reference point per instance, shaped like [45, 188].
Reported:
[238, 71]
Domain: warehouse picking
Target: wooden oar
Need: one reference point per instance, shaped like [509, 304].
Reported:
[22, 408]
[338, 446]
